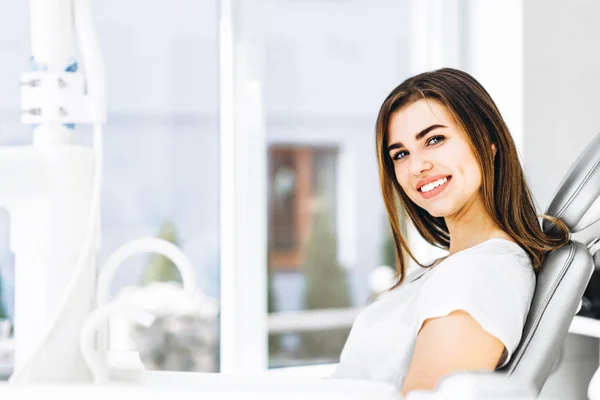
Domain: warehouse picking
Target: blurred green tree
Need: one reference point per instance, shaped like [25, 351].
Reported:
[326, 286]
[3, 313]
[388, 256]
[161, 268]
[274, 339]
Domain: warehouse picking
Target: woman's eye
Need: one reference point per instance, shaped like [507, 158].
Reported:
[435, 139]
[398, 155]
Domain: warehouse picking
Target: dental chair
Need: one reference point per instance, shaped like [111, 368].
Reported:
[565, 274]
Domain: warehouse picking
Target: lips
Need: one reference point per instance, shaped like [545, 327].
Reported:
[424, 182]
[437, 190]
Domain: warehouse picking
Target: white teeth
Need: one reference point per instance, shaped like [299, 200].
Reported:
[433, 185]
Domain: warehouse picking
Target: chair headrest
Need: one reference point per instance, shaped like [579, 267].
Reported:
[577, 200]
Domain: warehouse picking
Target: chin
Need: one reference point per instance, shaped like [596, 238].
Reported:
[439, 212]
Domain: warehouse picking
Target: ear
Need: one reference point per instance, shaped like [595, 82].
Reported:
[494, 149]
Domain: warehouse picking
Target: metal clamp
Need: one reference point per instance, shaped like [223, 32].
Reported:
[55, 97]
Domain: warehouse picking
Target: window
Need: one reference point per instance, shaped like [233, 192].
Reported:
[301, 178]
[303, 246]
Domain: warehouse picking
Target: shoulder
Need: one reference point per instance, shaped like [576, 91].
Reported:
[495, 269]
[492, 258]
[493, 283]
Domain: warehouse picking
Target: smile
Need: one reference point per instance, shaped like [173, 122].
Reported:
[432, 189]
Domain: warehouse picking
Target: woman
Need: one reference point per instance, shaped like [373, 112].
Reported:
[447, 161]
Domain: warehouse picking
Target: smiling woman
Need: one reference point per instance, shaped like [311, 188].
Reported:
[448, 161]
[423, 163]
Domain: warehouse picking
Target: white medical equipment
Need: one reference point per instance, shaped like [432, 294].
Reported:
[52, 193]
[52, 197]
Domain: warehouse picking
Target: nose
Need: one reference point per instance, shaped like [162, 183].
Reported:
[418, 164]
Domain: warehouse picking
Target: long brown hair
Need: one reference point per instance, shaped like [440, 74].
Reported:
[506, 195]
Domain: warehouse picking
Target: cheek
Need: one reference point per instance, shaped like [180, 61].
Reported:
[471, 171]
[404, 180]
[401, 177]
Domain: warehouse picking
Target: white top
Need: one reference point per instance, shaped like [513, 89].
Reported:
[493, 281]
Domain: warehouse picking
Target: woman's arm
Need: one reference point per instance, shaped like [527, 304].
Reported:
[449, 344]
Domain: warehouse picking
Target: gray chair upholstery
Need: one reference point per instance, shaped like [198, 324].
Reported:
[565, 274]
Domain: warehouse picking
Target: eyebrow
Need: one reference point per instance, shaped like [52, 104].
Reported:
[418, 136]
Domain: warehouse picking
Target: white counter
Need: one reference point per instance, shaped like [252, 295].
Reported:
[188, 386]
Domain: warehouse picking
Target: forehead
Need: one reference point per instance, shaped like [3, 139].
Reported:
[408, 121]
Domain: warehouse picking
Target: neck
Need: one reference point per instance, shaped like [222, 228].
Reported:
[471, 226]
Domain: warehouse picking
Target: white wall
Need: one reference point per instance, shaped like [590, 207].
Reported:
[494, 49]
[562, 87]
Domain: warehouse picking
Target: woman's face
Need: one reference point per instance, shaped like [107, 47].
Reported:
[432, 159]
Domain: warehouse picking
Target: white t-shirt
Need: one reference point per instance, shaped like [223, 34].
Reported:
[493, 281]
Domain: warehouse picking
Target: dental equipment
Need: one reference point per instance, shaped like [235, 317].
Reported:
[98, 366]
[188, 296]
[51, 191]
